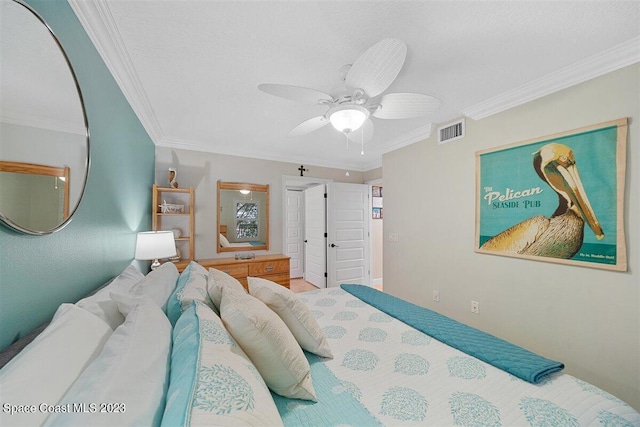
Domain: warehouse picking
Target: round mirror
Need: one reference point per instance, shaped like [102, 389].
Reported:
[44, 135]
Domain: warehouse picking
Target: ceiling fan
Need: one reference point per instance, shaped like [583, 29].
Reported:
[352, 108]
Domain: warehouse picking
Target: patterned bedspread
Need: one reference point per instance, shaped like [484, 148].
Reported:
[403, 377]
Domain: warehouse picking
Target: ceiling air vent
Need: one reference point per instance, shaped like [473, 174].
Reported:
[451, 132]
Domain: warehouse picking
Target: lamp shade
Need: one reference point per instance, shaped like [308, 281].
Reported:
[347, 118]
[155, 245]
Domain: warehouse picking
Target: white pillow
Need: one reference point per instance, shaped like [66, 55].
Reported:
[294, 313]
[224, 242]
[126, 302]
[217, 281]
[125, 281]
[131, 373]
[44, 370]
[269, 344]
[212, 381]
[100, 303]
[158, 284]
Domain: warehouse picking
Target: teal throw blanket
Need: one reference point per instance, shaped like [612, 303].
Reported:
[488, 348]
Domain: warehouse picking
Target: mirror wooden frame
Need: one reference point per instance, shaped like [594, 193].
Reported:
[34, 169]
[241, 186]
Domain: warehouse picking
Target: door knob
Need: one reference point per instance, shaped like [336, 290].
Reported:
[333, 245]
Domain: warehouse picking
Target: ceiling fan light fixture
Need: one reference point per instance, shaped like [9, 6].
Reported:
[245, 192]
[347, 118]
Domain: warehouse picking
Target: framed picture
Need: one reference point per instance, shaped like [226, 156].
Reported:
[531, 201]
[376, 202]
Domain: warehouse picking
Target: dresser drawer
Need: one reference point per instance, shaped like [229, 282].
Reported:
[257, 269]
[237, 271]
[271, 267]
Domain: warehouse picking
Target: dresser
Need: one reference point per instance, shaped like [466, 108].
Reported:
[270, 267]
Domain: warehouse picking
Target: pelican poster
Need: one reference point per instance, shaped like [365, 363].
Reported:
[558, 199]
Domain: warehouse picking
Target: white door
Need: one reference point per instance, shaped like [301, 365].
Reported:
[348, 216]
[294, 231]
[315, 256]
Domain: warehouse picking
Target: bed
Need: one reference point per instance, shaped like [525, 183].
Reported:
[402, 376]
[194, 348]
[225, 243]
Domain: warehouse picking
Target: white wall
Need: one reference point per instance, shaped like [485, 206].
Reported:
[377, 239]
[48, 147]
[587, 318]
[202, 171]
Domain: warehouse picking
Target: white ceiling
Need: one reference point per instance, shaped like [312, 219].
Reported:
[190, 69]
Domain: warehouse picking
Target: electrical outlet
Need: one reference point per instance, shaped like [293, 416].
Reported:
[475, 307]
[436, 295]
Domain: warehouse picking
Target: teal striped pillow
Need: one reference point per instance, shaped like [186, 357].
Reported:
[212, 381]
[191, 286]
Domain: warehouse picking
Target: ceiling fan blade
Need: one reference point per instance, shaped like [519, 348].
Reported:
[310, 125]
[406, 105]
[357, 135]
[296, 93]
[378, 67]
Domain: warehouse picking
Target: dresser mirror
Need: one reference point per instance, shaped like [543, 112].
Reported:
[44, 136]
[243, 217]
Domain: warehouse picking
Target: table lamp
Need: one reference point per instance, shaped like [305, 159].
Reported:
[153, 245]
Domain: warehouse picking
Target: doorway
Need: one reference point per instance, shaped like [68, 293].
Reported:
[293, 188]
[336, 229]
[294, 231]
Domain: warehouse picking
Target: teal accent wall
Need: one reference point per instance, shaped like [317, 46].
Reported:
[37, 274]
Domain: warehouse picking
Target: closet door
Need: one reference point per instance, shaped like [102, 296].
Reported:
[348, 217]
[294, 231]
[315, 242]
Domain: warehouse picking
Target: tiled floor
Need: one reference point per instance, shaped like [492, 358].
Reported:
[301, 285]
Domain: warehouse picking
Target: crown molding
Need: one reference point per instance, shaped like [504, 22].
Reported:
[230, 150]
[419, 134]
[97, 20]
[369, 166]
[619, 56]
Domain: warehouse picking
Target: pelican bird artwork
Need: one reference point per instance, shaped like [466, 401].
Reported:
[561, 235]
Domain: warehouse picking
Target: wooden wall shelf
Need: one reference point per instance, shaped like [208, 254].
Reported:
[185, 221]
